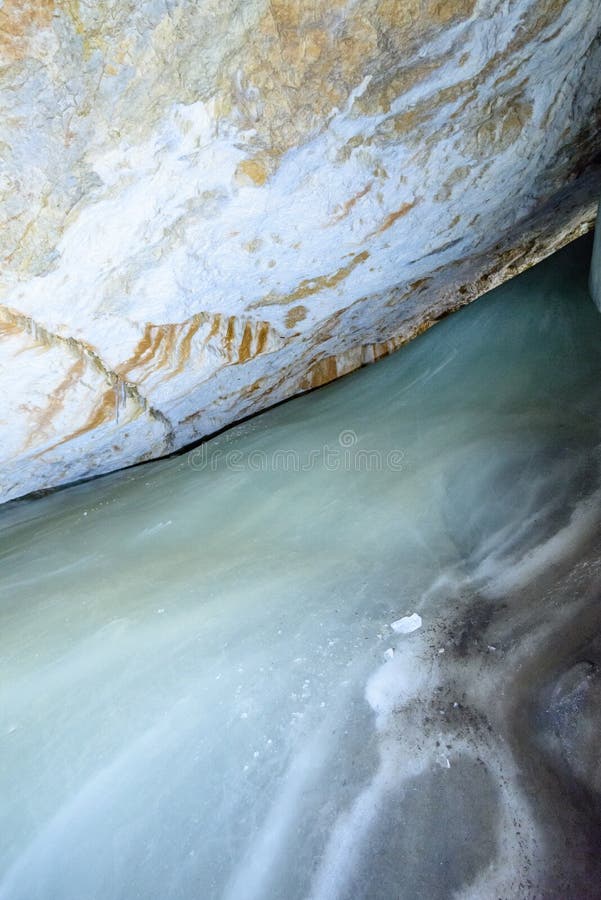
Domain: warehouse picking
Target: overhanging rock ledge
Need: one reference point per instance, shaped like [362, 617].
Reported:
[209, 207]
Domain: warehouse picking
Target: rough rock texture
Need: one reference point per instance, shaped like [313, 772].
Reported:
[210, 206]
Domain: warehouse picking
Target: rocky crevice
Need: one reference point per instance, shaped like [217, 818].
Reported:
[82, 352]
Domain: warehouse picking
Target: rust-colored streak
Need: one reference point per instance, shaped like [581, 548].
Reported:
[144, 352]
[169, 347]
[262, 336]
[321, 372]
[102, 413]
[56, 402]
[295, 315]
[420, 284]
[310, 286]
[346, 207]
[215, 326]
[244, 351]
[186, 344]
[393, 217]
[230, 333]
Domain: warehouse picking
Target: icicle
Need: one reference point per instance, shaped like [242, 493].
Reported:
[117, 390]
[120, 397]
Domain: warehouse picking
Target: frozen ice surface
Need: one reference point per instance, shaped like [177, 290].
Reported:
[196, 695]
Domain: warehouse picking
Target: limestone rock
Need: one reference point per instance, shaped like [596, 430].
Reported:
[207, 207]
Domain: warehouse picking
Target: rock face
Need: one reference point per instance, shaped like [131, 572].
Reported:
[210, 206]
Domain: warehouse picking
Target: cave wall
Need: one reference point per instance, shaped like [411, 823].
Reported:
[207, 207]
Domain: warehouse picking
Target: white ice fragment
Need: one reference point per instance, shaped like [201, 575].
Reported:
[407, 624]
[389, 653]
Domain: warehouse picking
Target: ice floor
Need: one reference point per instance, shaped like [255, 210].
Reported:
[201, 691]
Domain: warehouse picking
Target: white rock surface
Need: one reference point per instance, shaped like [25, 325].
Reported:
[206, 208]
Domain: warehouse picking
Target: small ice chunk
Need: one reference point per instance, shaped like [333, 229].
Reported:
[407, 624]
[389, 654]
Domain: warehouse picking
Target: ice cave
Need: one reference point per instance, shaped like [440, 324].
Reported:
[300, 468]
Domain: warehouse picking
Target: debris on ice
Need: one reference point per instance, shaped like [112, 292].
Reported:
[407, 624]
